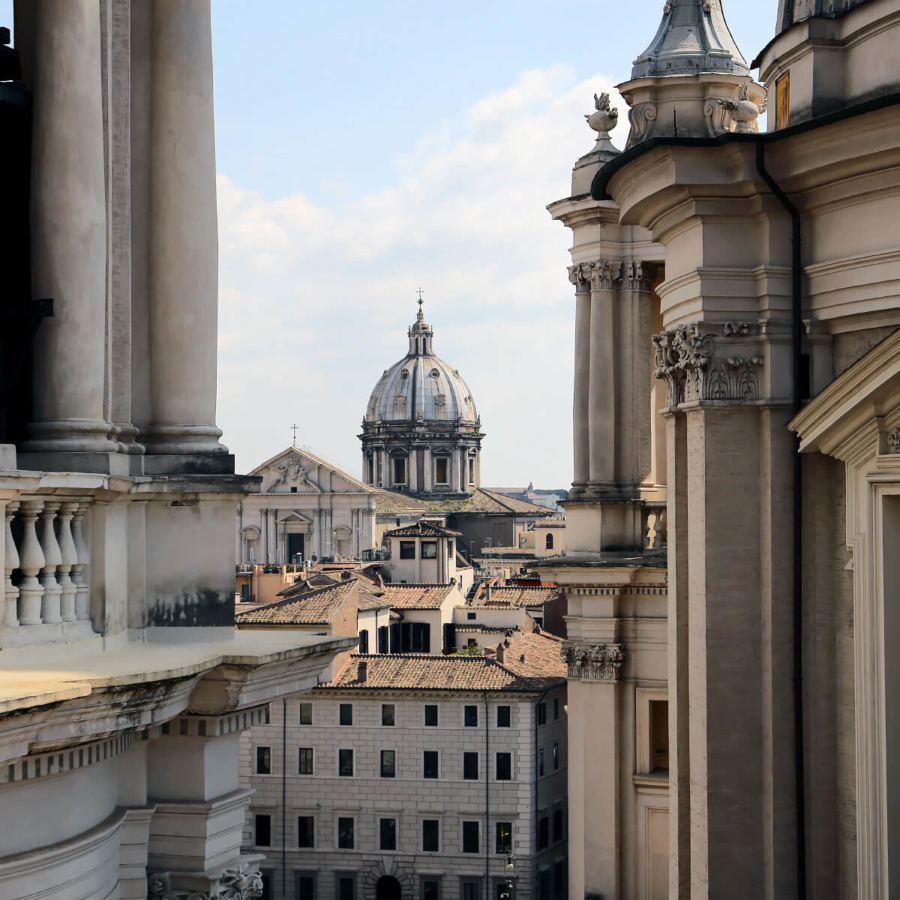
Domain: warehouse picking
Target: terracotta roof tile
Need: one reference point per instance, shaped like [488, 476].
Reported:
[515, 596]
[422, 529]
[417, 596]
[535, 657]
[317, 607]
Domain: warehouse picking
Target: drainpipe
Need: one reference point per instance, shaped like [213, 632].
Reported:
[797, 584]
[487, 800]
[284, 797]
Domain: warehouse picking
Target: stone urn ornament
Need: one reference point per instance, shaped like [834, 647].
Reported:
[744, 112]
[604, 118]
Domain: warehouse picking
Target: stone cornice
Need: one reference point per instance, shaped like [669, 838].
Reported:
[593, 662]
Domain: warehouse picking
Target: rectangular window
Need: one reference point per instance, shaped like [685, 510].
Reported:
[559, 878]
[305, 761]
[558, 826]
[306, 831]
[346, 837]
[383, 639]
[431, 890]
[504, 837]
[387, 714]
[263, 760]
[471, 840]
[429, 549]
[471, 643]
[387, 763]
[431, 835]
[471, 616]
[471, 716]
[263, 831]
[659, 734]
[400, 471]
[421, 637]
[387, 834]
[306, 713]
[440, 471]
[556, 708]
[431, 715]
[543, 833]
[306, 887]
[541, 761]
[345, 762]
[504, 716]
[266, 877]
[504, 767]
[555, 756]
[471, 890]
[471, 470]
[430, 764]
[346, 887]
[407, 549]
[346, 714]
[470, 766]
[542, 713]
[364, 642]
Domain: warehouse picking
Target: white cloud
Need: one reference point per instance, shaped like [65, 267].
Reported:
[315, 300]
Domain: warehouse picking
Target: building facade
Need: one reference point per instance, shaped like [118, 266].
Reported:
[416, 777]
[747, 273]
[422, 432]
[305, 508]
[125, 686]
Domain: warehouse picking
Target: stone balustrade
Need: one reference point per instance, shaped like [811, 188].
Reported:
[46, 563]
[653, 526]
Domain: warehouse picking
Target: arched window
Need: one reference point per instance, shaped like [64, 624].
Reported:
[548, 541]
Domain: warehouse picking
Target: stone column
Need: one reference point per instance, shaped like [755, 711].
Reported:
[183, 249]
[50, 602]
[10, 563]
[580, 277]
[31, 561]
[602, 405]
[68, 229]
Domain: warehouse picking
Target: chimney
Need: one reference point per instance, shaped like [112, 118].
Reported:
[487, 592]
[345, 575]
[363, 672]
[500, 652]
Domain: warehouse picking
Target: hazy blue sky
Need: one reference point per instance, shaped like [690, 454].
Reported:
[367, 148]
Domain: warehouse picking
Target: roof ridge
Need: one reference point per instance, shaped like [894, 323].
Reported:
[297, 598]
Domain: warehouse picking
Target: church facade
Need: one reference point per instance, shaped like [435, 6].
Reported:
[737, 304]
[422, 432]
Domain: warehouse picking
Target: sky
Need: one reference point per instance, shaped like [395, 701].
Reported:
[367, 149]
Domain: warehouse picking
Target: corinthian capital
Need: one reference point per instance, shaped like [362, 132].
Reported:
[580, 276]
[597, 662]
[604, 274]
[638, 276]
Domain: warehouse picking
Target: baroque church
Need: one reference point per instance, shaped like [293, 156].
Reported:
[733, 528]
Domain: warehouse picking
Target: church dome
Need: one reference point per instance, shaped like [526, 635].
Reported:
[421, 387]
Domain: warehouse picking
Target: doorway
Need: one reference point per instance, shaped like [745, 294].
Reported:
[295, 548]
[388, 888]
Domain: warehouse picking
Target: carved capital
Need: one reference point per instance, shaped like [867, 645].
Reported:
[694, 368]
[642, 116]
[597, 662]
[238, 883]
[604, 274]
[580, 276]
[638, 276]
[893, 440]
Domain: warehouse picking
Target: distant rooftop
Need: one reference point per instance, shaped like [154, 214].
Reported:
[513, 597]
[318, 607]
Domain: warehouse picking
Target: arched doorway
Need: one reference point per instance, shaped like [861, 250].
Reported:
[388, 888]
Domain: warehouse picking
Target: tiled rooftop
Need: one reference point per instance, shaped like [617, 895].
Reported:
[417, 596]
[514, 596]
[421, 529]
[317, 607]
[542, 667]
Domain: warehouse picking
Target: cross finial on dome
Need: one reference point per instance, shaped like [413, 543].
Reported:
[420, 316]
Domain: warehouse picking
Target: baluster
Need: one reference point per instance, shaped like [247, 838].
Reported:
[31, 560]
[11, 562]
[50, 602]
[79, 576]
[69, 555]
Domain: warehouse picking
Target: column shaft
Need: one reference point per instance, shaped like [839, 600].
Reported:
[183, 248]
[581, 400]
[68, 229]
[602, 410]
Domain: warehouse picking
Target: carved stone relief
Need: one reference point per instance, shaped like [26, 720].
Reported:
[598, 662]
[239, 883]
[687, 361]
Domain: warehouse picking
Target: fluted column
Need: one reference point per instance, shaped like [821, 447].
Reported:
[10, 564]
[79, 576]
[50, 601]
[68, 229]
[602, 406]
[183, 251]
[580, 277]
[69, 558]
[31, 561]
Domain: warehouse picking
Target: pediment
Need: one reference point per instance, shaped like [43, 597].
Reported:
[295, 517]
[296, 471]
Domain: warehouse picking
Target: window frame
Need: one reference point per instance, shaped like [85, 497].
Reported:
[437, 716]
[462, 836]
[381, 821]
[340, 877]
[342, 707]
[256, 751]
[405, 547]
[312, 761]
[337, 831]
[349, 750]
[497, 848]
[437, 768]
[508, 759]
[466, 710]
[507, 709]
[393, 715]
[429, 555]
[393, 763]
[423, 822]
[256, 818]
[300, 714]
[312, 818]
[467, 756]
[445, 462]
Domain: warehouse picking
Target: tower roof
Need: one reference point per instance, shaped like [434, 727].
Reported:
[693, 37]
[792, 11]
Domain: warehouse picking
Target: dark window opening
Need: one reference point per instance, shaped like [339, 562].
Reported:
[305, 761]
[543, 833]
[306, 713]
[407, 549]
[470, 766]
[345, 763]
[346, 714]
[431, 715]
[306, 831]
[263, 831]
[387, 763]
[471, 839]
[263, 760]
[504, 837]
[387, 714]
[346, 837]
[387, 833]
[431, 829]
[471, 716]
[430, 764]
[364, 642]
[504, 767]
[504, 716]
[558, 825]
